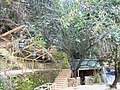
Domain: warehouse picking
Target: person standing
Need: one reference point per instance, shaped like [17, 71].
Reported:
[82, 79]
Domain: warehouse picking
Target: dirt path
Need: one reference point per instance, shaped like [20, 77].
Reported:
[91, 87]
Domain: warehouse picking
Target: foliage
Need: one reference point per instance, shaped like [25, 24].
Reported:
[98, 78]
[78, 28]
[13, 10]
[1, 86]
[44, 19]
[84, 24]
[30, 81]
[12, 14]
[89, 23]
[39, 40]
[61, 58]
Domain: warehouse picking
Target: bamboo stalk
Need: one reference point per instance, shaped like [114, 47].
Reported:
[5, 70]
[31, 54]
[4, 39]
[13, 30]
[25, 64]
[33, 65]
[27, 51]
[22, 65]
[39, 56]
[29, 46]
[37, 65]
[48, 53]
[44, 65]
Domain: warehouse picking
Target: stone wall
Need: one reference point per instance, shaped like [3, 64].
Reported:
[89, 80]
[72, 82]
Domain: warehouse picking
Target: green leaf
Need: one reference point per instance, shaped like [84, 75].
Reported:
[8, 2]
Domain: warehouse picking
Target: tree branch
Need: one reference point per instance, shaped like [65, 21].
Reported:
[91, 45]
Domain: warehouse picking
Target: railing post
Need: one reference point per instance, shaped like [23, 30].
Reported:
[47, 86]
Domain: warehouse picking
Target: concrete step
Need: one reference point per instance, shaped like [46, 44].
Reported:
[63, 74]
[60, 83]
[59, 79]
[62, 78]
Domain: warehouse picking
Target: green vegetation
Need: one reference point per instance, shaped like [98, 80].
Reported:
[1, 86]
[30, 81]
[77, 29]
[61, 58]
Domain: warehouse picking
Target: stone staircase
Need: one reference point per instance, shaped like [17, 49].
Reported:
[61, 80]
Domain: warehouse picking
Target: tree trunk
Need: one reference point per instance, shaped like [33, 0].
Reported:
[116, 77]
[82, 57]
[116, 69]
[75, 71]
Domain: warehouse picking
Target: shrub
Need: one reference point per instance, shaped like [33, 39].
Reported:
[1, 86]
[61, 58]
[30, 81]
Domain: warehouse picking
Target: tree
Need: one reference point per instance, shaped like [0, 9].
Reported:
[112, 54]
[43, 19]
[12, 14]
[84, 25]
[110, 43]
[74, 26]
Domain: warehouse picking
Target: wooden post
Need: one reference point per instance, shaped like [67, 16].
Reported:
[37, 65]
[78, 72]
[25, 65]
[44, 64]
[33, 65]
[5, 72]
[22, 65]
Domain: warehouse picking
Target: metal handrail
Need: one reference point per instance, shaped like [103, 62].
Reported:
[47, 86]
